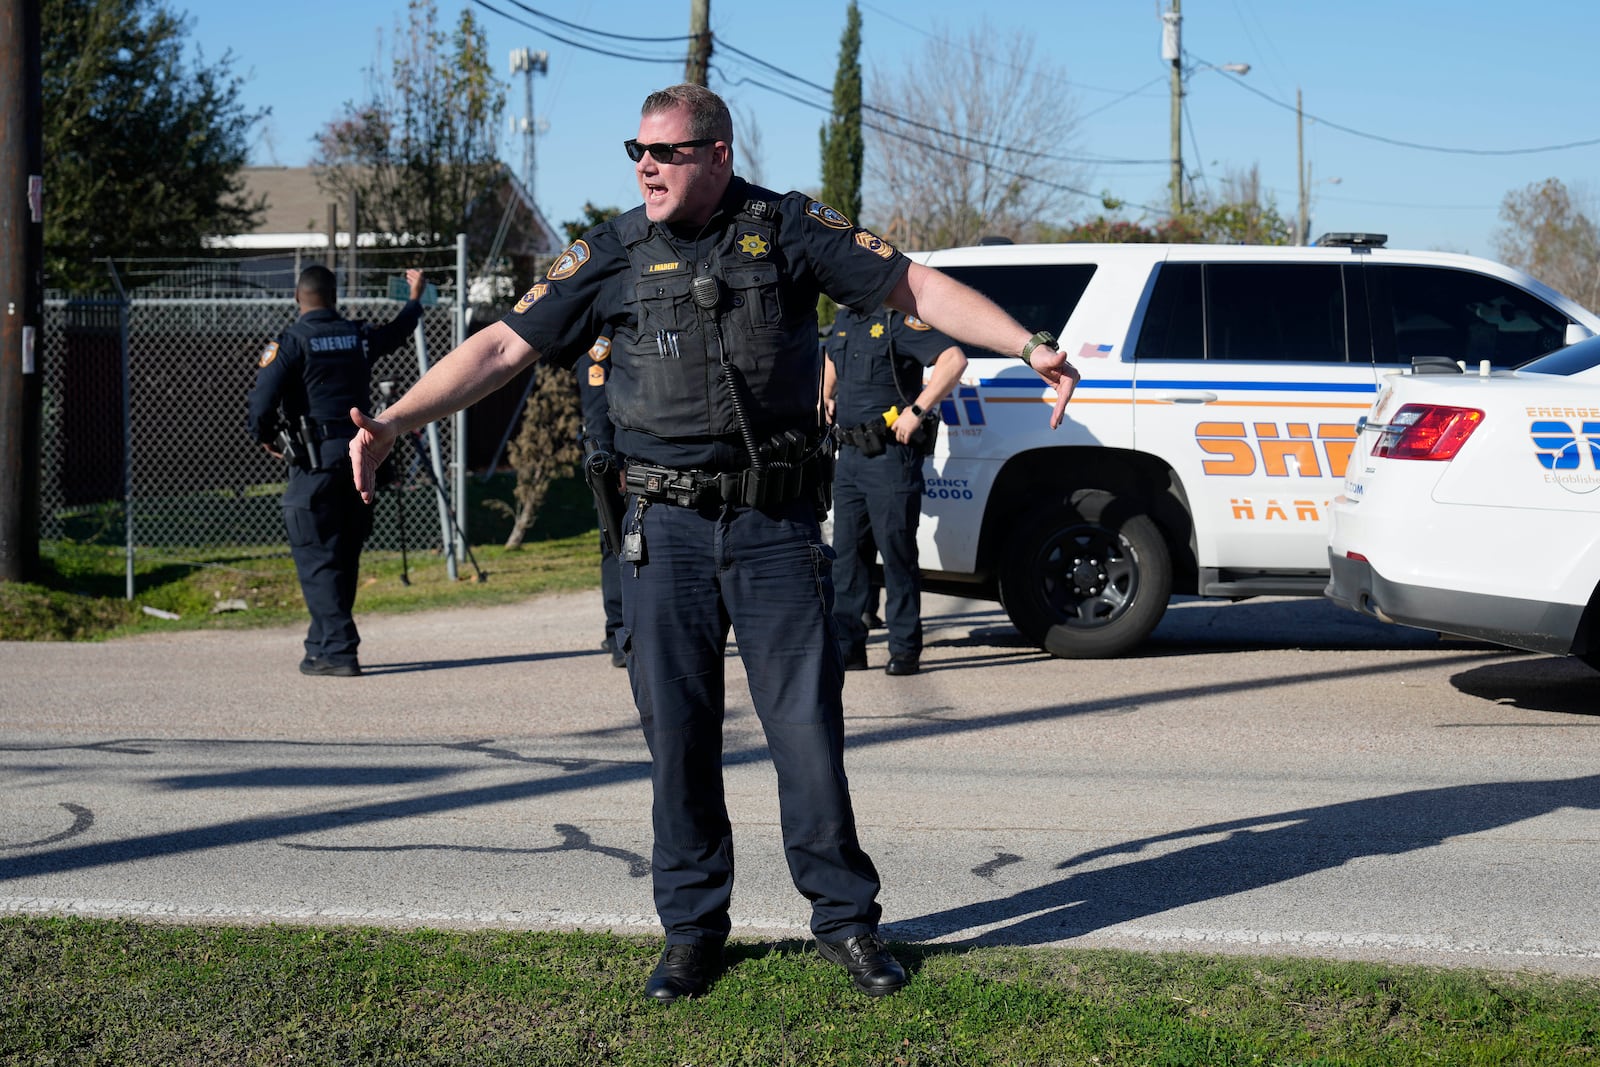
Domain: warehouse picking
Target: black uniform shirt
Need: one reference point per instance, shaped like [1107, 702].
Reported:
[588, 289]
[878, 360]
[321, 366]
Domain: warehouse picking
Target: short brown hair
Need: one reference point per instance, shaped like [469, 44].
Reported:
[708, 115]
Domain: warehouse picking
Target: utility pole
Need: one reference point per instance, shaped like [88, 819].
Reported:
[699, 61]
[1172, 52]
[21, 285]
[1303, 222]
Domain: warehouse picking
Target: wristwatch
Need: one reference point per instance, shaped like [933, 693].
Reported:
[1043, 337]
[916, 409]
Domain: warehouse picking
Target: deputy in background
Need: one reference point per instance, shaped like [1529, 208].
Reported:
[887, 421]
[599, 436]
[306, 383]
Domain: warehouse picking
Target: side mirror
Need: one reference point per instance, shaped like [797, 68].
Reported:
[1577, 331]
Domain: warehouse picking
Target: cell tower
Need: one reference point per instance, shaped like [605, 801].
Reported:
[527, 62]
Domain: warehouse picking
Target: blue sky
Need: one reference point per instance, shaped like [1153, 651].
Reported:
[1424, 111]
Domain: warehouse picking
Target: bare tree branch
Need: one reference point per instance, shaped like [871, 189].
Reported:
[953, 144]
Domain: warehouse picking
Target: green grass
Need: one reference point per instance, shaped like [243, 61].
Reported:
[109, 992]
[92, 992]
[81, 592]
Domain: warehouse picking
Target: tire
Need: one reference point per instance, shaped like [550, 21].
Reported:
[1086, 582]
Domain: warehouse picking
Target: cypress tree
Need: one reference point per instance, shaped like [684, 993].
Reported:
[842, 146]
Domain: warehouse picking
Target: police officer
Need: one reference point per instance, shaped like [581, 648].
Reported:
[592, 372]
[709, 290]
[307, 382]
[875, 367]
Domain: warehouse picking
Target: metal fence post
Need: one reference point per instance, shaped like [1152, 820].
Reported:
[446, 535]
[125, 359]
[459, 441]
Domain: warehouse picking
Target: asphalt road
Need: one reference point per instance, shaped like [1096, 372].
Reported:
[1272, 776]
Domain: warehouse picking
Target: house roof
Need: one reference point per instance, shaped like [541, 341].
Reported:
[296, 216]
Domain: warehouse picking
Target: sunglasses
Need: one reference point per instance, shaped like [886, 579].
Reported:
[662, 153]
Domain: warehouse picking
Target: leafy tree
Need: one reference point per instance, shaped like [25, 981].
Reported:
[843, 149]
[547, 443]
[958, 143]
[142, 150]
[1238, 216]
[1552, 238]
[592, 217]
[420, 152]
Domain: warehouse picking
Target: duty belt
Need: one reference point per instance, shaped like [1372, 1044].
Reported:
[694, 489]
[867, 436]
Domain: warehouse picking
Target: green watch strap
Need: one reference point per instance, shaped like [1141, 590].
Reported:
[1043, 337]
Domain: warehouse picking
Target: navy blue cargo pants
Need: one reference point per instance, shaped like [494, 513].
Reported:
[327, 524]
[877, 502]
[767, 576]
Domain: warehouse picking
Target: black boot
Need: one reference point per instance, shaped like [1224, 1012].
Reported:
[683, 971]
[872, 969]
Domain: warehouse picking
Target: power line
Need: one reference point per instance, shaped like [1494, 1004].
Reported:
[895, 117]
[536, 13]
[964, 139]
[678, 59]
[1413, 144]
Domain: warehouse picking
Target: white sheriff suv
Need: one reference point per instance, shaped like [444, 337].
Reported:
[1210, 433]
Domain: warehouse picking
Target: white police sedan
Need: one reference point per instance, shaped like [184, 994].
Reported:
[1471, 504]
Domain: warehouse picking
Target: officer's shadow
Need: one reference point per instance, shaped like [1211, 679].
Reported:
[415, 666]
[1255, 852]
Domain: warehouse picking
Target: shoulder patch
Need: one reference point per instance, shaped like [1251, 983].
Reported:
[600, 349]
[531, 297]
[597, 375]
[916, 323]
[827, 215]
[752, 245]
[874, 244]
[268, 354]
[569, 262]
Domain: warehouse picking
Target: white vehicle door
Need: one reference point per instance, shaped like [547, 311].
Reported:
[1247, 381]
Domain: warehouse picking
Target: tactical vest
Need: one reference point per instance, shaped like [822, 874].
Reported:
[334, 371]
[667, 379]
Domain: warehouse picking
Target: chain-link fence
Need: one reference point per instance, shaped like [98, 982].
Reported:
[143, 439]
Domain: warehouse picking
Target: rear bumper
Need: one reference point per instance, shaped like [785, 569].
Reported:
[1527, 624]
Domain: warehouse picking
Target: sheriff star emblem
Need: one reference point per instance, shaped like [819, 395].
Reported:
[877, 329]
[752, 245]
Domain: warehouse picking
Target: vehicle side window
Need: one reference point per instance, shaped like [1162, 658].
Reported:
[1174, 322]
[1041, 297]
[1275, 311]
[1441, 311]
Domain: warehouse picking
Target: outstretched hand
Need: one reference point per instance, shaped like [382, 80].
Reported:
[1053, 367]
[371, 445]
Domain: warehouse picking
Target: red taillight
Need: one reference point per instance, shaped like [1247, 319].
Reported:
[1427, 431]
